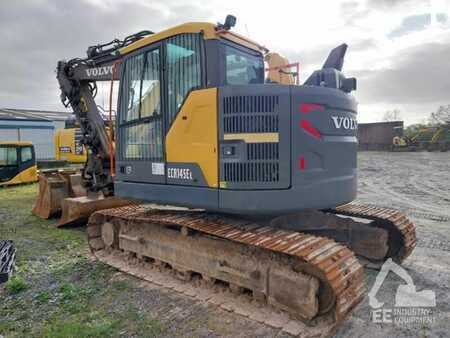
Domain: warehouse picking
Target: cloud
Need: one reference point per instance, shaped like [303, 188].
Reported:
[390, 4]
[353, 11]
[36, 35]
[399, 62]
[411, 23]
[418, 76]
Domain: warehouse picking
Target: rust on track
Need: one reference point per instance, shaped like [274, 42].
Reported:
[337, 268]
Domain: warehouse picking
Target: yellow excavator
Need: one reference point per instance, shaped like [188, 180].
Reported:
[17, 163]
[250, 179]
[430, 138]
[68, 147]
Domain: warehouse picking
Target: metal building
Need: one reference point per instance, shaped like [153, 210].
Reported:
[37, 127]
[59, 118]
[379, 135]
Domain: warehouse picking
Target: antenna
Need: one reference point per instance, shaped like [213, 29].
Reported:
[246, 29]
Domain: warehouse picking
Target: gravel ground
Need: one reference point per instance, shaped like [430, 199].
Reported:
[66, 292]
[419, 185]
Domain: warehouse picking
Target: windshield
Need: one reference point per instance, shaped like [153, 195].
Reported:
[243, 67]
[8, 155]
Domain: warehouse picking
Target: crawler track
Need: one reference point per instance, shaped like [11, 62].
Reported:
[278, 266]
[401, 231]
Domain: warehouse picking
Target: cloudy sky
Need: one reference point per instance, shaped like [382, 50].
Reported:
[398, 49]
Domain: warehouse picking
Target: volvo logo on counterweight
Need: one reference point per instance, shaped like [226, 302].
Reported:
[344, 122]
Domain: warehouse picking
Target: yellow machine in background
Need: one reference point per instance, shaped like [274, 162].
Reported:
[278, 69]
[17, 163]
[429, 138]
[68, 147]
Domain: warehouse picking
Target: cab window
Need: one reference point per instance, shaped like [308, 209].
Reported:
[8, 156]
[183, 64]
[243, 66]
[141, 125]
[26, 154]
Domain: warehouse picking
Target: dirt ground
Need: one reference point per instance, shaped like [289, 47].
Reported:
[60, 292]
[419, 185]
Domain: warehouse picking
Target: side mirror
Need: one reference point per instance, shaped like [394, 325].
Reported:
[230, 21]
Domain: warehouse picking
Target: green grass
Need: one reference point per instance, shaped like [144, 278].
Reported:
[43, 297]
[68, 292]
[16, 284]
[58, 291]
[75, 329]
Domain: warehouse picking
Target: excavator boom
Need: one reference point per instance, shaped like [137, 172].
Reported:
[66, 191]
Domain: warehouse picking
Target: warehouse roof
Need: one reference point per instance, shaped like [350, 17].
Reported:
[33, 115]
[6, 114]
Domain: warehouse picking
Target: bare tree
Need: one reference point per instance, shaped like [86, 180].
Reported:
[441, 116]
[392, 115]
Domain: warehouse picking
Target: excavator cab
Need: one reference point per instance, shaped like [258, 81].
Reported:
[198, 126]
[17, 163]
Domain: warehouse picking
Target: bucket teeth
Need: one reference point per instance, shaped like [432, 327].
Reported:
[54, 187]
[61, 192]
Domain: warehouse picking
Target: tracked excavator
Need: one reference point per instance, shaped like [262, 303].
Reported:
[228, 175]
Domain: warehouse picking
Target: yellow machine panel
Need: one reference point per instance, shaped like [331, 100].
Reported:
[208, 30]
[67, 147]
[253, 137]
[27, 176]
[193, 135]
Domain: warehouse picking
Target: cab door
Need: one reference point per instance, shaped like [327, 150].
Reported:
[27, 164]
[140, 121]
[9, 166]
[155, 84]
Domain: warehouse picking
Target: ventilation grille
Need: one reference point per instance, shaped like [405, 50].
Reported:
[251, 172]
[259, 162]
[262, 151]
[250, 124]
[250, 114]
[250, 104]
[78, 135]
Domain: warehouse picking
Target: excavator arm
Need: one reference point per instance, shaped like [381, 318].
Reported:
[77, 80]
[69, 192]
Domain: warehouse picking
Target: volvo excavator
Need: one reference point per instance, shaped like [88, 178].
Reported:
[226, 174]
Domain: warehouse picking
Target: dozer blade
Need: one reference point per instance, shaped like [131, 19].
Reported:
[79, 209]
[374, 234]
[54, 186]
[401, 231]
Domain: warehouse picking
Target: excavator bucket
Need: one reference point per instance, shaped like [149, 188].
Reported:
[54, 187]
[80, 208]
[61, 192]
